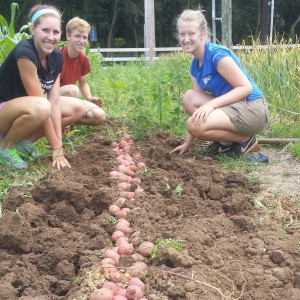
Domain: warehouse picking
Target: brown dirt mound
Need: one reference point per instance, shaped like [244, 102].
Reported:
[52, 234]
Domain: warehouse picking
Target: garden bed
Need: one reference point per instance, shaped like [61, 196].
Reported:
[52, 234]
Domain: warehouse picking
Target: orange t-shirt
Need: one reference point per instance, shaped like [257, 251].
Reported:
[73, 69]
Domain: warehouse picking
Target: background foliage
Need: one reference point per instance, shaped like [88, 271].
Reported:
[124, 19]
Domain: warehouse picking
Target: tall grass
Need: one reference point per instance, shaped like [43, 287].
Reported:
[276, 69]
[148, 96]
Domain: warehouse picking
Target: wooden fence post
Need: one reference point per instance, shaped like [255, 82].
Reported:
[149, 34]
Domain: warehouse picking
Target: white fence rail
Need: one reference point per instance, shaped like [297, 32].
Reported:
[151, 53]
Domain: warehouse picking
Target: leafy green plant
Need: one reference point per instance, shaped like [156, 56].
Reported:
[179, 189]
[170, 243]
[8, 37]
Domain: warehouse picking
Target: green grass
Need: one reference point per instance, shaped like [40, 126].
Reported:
[169, 243]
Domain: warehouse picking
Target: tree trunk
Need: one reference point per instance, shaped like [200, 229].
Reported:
[294, 26]
[258, 19]
[265, 22]
[112, 25]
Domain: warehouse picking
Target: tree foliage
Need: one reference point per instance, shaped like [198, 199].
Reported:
[121, 22]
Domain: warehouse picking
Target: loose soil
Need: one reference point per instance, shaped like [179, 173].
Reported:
[53, 233]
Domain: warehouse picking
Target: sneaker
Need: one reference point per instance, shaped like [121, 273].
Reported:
[214, 149]
[248, 145]
[235, 150]
[28, 150]
[10, 158]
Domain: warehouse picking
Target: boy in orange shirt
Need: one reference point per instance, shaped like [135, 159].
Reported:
[75, 70]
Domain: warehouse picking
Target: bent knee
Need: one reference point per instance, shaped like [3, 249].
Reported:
[99, 116]
[196, 131]
[71, 90]
[40, 109]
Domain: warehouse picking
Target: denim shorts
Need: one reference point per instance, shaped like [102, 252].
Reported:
[248, 117]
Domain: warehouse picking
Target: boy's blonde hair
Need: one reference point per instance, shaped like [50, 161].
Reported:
[78, 24]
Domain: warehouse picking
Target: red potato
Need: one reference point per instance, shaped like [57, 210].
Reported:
[118, 151]
[125, 170]
[114, 144]
[135, 234]
[129, 179]
[121, 240]
[111, 254]
[120, 159]
[128, 157]
[114, 174]
[116, 235]
[130, 142]
[124, 228]
[141, 165]
[136, 240]
[146, 248]
[136, 181]
[101, 294]
[108, 260]
[124, 221]
[139, 190]
[127, 195]
[126, 249]
[114, 209]
[123, 213]
[115, 249]
[125, 178]
[138, 269]
[133, 168]
[134, 292]
[124, 186]
[116, 277]
[119, 297]
[111, 286]
[137, 155]
[137, 282]
[107, 269]
[121, 291]
[121, 201]
[123, 144]
[138, 257]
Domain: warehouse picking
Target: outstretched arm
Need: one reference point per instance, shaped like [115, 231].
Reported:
[86, 91]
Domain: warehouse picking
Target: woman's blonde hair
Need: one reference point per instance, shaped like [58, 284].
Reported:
[78, 24]
[39, 7]
[195, 16]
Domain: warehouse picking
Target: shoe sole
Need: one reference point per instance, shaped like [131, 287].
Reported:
[251, 148]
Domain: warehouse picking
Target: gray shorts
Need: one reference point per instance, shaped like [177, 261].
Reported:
[248, 117]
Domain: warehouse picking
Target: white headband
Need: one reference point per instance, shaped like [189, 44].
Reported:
[43, 12]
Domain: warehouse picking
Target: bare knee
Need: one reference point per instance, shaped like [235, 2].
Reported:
[70, 90]
[98, 116]
[188, 103]
[40, 109]
[196, 131]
